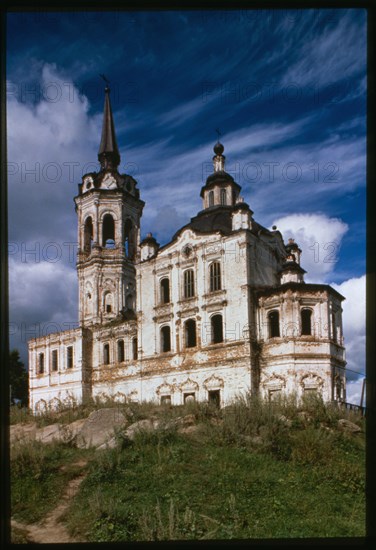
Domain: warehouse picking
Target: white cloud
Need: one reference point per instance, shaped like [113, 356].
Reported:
[49, 144]
[314, 233]
[332, 55]
[354, 392]
[42, 289]
[319, 238]
[354, 323]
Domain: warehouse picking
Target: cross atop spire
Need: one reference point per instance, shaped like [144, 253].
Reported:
[108, 154]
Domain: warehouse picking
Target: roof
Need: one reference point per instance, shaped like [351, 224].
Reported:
[219, 177]
[210, 220]
[267, 291]
[108, 143]
[292, 266]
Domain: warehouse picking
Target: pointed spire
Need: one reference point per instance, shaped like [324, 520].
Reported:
[108, 154]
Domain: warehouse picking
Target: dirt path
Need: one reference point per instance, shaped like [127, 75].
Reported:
[50, 530]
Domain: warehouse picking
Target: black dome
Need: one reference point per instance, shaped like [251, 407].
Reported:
[218, 148]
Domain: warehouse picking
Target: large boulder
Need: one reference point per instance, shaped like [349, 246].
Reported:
[22, 432]
[99, 427]
[181, 422]
[348, 426]
[148, 424]
[70, 432]
[48, 434]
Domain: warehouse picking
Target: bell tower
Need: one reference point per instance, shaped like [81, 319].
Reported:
[109, 210]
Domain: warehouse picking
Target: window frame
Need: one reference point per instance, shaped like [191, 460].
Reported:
[214, 339]
[304, 321]
[274, 330]
[188, 333]
[106, 353]
[162, 290]
[69, 356]
[54, 360]
[215, 276]
[135, 348]
[120, 350]
[189, 284]
[334, 327]
[163, 330]
[41, 363]
[108, 228]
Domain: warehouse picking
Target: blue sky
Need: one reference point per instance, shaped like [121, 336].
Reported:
[287, 89]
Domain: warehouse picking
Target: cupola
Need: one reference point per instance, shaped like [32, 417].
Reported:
[220, 188]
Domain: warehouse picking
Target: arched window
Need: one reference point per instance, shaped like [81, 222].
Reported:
[273, 319]
[120, 351]
[334, 327]
[211, 198]
[165, 290]
[190, 333]
[217, 329]
[108, 231]
[41, 363]
[70, 357]
[306, 315]
[189, 286]
[223, 197]
[88, 234]
[54, 357]
[106, 354]
[134, 348]
[130, 302]
[108, 302]
[165, 339]
[128, 239]
[88, 304]
[215, 276]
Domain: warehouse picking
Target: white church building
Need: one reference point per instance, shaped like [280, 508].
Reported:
[220, 310]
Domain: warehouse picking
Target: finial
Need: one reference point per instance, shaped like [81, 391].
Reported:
[218, 147]
[104, 77]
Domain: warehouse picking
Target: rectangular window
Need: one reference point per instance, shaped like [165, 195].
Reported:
[310, 391]
[334, 327]
[189, 287]
[165, 291]
[69, 357]
[215, 276]
[165, 399]
[120, 347]
[55, 364]
[41, 363]
[274, 394]
[106, 354]
[134, 348]
[214, 397]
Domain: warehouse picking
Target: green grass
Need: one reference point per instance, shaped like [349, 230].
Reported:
[181, 490]
[253, 470]
[39, 475]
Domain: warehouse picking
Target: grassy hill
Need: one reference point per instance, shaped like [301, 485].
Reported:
[251, 470]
